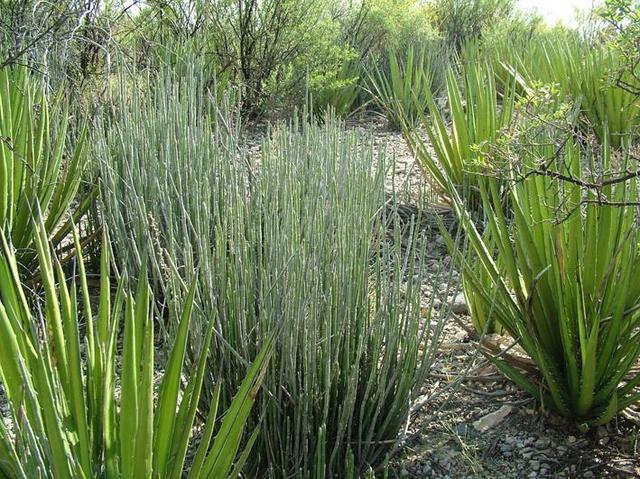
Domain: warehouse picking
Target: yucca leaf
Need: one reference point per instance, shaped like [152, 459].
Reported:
[227, 441]
[168, 396]
[207, 434]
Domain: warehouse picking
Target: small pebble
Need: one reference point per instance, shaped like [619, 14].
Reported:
[528, 452]
[459, 305]
[542, 443]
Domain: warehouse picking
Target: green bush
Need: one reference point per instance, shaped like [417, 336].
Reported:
[373, 28]
[300, 245]
[336, 89]
[460, 21]
[563, 282]
[82, 403]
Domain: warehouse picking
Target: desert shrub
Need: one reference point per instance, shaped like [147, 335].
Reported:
[561, 283]
[300, 245]
[623, 20]
[517, 28]
[39, 169]
[328, 67]
[479, 114]
[586, 71]
[374, 27]
[337, 89]
[460, 21]
[89, 411]
[272, 50]
[402, 87]
[278, 46]
[68, 40]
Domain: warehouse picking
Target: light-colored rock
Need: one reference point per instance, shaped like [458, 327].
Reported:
[492, 419]
[459, 304]
[542, 443]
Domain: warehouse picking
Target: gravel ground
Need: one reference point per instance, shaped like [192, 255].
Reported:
[477, 424]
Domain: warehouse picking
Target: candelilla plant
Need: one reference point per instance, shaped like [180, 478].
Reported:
[308, 244]
[80, 387]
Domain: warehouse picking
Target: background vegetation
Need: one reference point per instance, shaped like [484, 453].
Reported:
[159, 265]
